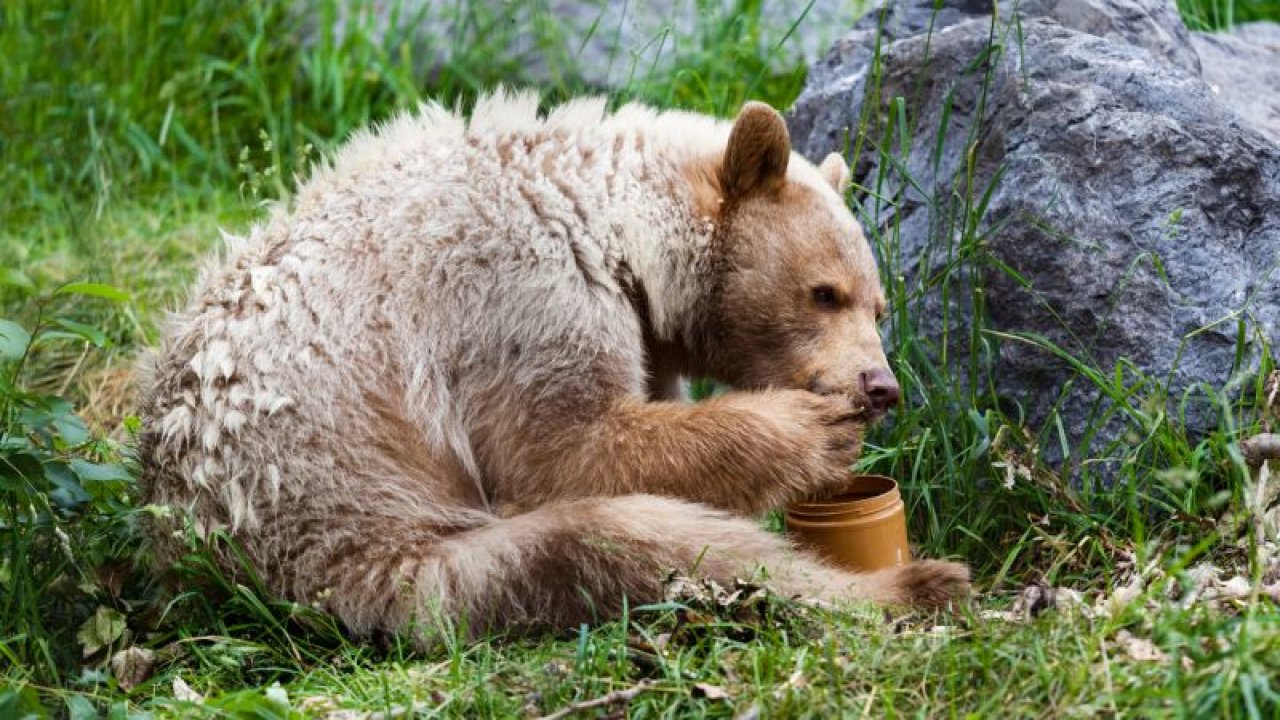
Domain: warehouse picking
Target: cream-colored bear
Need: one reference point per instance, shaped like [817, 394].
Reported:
[442, 386]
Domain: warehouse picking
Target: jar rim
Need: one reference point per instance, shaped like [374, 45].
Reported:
[862, 495]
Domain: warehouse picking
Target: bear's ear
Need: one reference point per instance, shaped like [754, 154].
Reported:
[836, 172]
[759, 148]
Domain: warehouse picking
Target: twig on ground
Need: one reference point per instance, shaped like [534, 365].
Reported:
[613, 698]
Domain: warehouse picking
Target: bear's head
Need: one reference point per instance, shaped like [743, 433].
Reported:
[797, 299]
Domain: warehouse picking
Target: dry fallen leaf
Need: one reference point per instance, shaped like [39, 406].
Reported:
[1110, 605]
[797, 681]
[183, 692]
[1035, 599]
[319, 705]
[1202, 576]
[661, 641]
[710, 692]
[1002, 615]
[132, 666]
[103, 628]
[395, 712]
[344, 714]
[1128, 593]
[1140, 649]
[556, 668]
[1143, 650]
[816, 603]
[1215, 592]
[1235, 588]
[1068, 598]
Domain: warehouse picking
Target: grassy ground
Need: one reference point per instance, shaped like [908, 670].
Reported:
[131, 131]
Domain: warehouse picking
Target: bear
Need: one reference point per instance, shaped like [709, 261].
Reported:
[442, 387]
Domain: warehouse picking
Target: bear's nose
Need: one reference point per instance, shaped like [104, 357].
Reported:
[881, 388]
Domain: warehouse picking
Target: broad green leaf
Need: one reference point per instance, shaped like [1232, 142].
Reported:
[100, 290]
[75, 330]
[122, 711]
[71, 428]
[68, 492]
[79, 708]
[93, 473]
[278, 696]
[14, 443]
[19, 471]
[104, 627]
[15, 278]
[22, 702]
[255, 703]
[61, 416]
[13, 340]
[98, 472]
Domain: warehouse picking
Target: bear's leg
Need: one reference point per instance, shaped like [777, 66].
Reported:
[570, 562]
[745, 451]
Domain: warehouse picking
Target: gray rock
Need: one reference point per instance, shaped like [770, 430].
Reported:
[1135, 221]
[1151, 24]
[1242, 66]
[602, 43]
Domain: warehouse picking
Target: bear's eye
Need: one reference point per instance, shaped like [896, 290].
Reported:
[825, 297]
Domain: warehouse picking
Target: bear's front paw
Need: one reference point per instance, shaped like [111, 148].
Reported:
[826, 436]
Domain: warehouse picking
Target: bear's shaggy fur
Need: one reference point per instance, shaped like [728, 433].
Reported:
[445, 384]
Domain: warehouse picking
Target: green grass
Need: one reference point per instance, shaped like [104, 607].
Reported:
[815, 665]
[130, 132]
[1222, 14]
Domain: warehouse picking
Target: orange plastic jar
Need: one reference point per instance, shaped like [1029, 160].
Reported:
[863, 528]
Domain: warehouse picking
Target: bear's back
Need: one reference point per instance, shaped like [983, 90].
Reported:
[429, 249]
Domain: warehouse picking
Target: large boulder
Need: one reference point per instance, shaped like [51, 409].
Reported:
[1151, 24]
[1132, 218]
[1242, 66]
